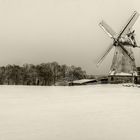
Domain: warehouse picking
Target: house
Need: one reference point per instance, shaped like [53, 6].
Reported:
[83, 82]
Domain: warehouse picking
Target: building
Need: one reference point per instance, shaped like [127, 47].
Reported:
[83, 82]
[125, 78]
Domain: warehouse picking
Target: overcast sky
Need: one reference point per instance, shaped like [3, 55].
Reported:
[66, 31]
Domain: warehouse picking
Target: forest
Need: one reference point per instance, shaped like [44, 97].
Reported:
[41, 74]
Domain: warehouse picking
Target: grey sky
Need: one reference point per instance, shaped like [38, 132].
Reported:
[66, 31]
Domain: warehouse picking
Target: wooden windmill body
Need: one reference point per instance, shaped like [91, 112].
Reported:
[123, 63]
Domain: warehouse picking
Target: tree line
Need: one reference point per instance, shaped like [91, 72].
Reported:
[41, 74]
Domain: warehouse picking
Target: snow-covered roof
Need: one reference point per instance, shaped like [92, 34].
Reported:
[83, 81]
[123, 74]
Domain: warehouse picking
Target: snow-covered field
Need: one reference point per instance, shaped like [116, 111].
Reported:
[99, 112]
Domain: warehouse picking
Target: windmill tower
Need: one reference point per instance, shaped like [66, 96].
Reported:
[123, 65]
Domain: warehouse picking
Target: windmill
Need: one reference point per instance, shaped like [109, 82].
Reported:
[123, 60]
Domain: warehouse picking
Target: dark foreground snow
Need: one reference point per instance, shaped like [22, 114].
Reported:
[99, 112]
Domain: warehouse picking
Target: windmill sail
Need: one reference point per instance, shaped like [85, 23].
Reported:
[129, 24]
[104, 55]
[107, 29]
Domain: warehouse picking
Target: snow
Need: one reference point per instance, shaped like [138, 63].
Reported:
[97, 112]
[123, 73]
[83, 81]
